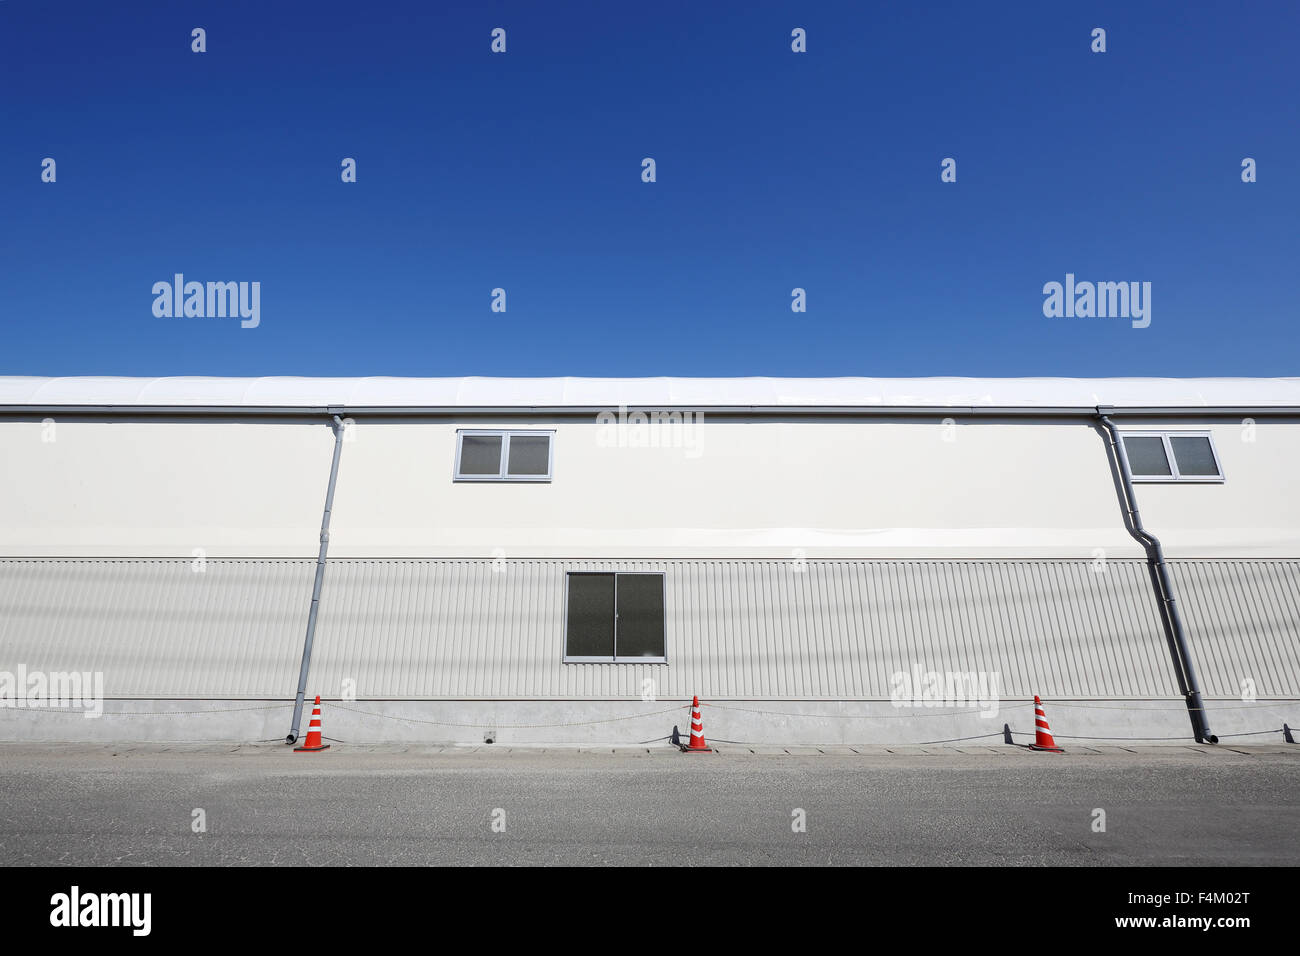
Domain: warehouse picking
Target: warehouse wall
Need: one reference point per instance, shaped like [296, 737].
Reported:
[829, 488]
[139, 488]
[1000, 550]
[873, 489]
[761, 630]
[159, 627]
[1254, 512]
[746, 629]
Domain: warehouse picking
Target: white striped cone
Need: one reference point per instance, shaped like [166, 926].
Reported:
[1043, 739]
[313, 741]
[697, 727]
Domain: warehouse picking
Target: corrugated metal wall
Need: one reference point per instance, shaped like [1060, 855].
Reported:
[1243, 618]
[411, 629]
[158, 628]
[759, 629]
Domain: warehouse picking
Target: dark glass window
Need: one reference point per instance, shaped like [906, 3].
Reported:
[1194, 455]
[1146, 455]
[640, 624]
[480, 454]
[615, 616]
[530, 455]
[591, 616]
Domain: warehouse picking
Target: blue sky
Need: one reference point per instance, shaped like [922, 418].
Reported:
[775, 170]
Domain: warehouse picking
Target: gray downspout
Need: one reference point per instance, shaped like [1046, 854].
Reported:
[1185, 670]
[320, 577]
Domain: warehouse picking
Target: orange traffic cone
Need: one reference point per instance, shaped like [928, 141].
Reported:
[697, 744]
[313, 733]
[1042, 733]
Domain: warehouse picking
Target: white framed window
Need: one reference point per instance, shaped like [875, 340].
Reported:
[1172, 456]
[614, 617]
[503, 454]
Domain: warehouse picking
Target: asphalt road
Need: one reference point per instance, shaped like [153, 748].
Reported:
[263, 805]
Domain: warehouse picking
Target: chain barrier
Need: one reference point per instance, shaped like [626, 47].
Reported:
[680, 707]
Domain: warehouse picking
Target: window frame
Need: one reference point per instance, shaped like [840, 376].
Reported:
[663, 585]
[505, 434]
[1174, 475]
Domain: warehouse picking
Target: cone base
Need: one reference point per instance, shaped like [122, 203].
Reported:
[310, 750]
[697, 750]
[1053, 750]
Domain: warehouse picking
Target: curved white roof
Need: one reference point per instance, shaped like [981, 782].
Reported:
[476, 392]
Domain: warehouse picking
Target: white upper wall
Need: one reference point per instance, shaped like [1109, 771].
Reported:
[879, 489]
[471, 392]
[722, 488]
[743, 485]
[739, 488]
[158, 489]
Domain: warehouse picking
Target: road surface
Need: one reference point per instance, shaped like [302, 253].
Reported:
[141, 805]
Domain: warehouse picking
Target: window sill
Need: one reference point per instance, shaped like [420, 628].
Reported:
[616, 660]
[1166, 480]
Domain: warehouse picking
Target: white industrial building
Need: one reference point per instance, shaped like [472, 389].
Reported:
[569, 560]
